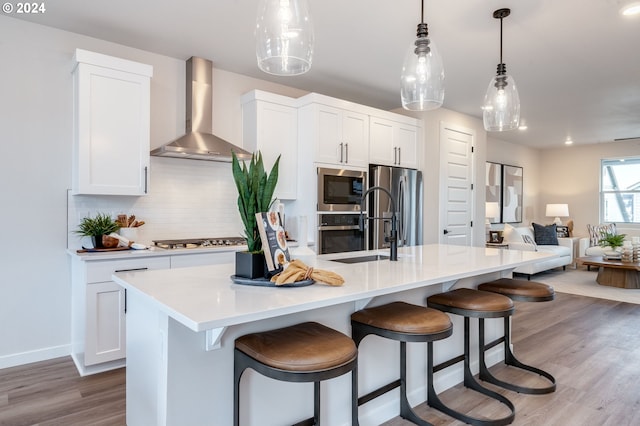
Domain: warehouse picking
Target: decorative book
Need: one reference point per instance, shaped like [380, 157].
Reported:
[274, 242]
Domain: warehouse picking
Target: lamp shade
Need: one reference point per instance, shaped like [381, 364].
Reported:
[492, 210]
[422, 80]
[284, 37]
[501, 107]
[557, 211]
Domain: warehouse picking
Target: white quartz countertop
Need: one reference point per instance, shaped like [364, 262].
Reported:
[152, 251]
[203, 298]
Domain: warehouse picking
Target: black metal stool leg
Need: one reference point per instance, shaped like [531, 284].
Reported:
[469, 382]
[510, 359]
[406, 412]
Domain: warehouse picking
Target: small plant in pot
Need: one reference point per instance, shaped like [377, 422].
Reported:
[612, 242]
[98, 228]
[255, 195]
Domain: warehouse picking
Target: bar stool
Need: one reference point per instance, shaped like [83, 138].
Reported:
[405, 323]
[520, 291]
[477, 304]
[307, 352]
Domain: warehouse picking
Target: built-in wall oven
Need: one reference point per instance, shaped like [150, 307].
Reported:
[340, 232]
[339, 195]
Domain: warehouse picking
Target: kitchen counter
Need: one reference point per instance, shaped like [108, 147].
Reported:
[181, 325]
[150, 252]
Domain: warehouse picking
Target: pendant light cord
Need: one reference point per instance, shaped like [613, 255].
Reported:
[500, 39]
[422, 13]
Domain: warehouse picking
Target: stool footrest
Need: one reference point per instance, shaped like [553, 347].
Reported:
[380, 391]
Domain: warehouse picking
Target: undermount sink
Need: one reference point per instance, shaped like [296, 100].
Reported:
[360, 259]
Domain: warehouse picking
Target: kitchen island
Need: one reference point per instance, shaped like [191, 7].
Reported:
[182, 323]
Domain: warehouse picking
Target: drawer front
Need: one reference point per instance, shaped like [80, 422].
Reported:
[101, 271]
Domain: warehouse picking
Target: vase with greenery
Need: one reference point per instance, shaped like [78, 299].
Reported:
[612, 240]
[255, 195]
[96, 227]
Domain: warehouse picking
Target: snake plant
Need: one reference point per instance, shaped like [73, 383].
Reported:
[255, 192]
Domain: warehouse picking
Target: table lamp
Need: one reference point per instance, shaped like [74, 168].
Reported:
[557, 210]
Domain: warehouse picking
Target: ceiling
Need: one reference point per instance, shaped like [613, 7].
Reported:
[576, 62]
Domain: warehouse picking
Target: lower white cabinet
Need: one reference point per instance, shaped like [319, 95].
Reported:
[98, 311]
[98, 308]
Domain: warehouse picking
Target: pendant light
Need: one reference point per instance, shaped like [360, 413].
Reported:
[501, 108]
[284, 37]
[422, 80]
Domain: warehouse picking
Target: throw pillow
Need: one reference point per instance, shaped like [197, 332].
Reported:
[527, 239]
[545, 235]
[598, 232]
[510, 234]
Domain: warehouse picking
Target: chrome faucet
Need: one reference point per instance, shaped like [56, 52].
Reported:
[393, 237]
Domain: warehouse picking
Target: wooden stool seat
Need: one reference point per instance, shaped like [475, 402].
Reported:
[477, 304]
[473, 303]
[303, 347]
[307, 352]
[520, 290]
[402, 322]
[404, 318]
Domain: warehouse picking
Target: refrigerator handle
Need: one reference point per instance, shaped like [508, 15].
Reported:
[401, 212]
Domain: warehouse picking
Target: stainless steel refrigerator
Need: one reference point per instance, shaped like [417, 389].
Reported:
[407, 189]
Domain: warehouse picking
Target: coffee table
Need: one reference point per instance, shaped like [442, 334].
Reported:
[614, 273]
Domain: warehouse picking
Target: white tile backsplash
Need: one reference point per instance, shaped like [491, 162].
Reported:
[187, 199]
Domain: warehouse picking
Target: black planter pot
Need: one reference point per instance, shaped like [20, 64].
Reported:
[97, 241]
[251, 265]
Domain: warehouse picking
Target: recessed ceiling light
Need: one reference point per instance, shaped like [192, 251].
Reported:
[568, 141]
[523, 127]
[630, 9]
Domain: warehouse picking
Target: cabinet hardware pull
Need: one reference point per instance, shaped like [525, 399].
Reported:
[131, 270]
[395, 155]
[346, 150]
[125, 300]
[399, 154]
[341, 151]
[145, 178]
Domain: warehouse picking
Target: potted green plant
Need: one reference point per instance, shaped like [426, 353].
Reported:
[97, 227]
[255, 195]
[614, 241]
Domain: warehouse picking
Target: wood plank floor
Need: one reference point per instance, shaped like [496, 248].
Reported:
[592, 346]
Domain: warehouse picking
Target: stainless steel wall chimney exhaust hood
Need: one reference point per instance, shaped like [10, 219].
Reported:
[199, 143]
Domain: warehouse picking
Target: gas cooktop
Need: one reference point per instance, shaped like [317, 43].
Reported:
[200, 242]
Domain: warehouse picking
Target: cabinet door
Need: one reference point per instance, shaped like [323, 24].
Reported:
[105, 338]
[111, 154]
[406, 140]
[355, 137]
[329, 135]
[381, 148]
[277, 134]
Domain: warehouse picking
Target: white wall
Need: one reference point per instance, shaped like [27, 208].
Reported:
[572, 175]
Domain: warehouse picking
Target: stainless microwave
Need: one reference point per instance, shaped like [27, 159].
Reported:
[340, 190]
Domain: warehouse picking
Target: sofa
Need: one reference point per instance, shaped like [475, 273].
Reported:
[524, 238]
[588, 246]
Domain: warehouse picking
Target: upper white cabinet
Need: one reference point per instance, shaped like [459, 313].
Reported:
[111, 125]
[340, 137]
[393, 143]
[270, 124]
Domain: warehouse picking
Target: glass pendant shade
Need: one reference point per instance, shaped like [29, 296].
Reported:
[501, 107]
[284, 37]
[422, 80]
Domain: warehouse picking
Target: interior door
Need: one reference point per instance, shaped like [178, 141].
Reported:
[456, 190]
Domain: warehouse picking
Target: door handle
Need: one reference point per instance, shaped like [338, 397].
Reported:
[445, 232]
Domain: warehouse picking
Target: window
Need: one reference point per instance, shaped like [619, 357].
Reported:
[620, 190]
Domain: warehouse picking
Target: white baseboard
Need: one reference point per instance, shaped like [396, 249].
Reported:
[14, 360]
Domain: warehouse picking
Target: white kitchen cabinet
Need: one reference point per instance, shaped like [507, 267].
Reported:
[98, 311]
[270, 124]
[340, 137]
[394, 143]
[111, 125]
